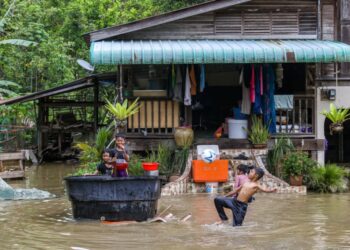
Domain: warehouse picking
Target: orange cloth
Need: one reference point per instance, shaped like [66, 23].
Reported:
[193, 81]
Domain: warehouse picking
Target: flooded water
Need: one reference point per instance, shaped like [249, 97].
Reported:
[273, 221]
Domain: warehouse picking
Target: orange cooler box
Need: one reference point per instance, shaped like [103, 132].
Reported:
[216, 171]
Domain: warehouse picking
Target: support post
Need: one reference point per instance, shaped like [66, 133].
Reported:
[96, 100]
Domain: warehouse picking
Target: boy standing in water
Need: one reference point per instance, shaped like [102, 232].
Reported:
[239, 205]
[120, 154]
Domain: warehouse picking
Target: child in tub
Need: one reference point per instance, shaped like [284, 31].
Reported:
[120, 154]
[106, 165]
[239, 204]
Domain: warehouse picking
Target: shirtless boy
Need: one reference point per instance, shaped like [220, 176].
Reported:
[239, 204]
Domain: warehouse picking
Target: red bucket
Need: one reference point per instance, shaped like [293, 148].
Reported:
[121, 166]
[150, 166]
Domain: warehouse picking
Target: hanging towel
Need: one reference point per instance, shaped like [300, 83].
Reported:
[284, 102]
[246, 105]
[187, 99]
[202, 79]
[252, 85]
[193, 81]
[177, 91]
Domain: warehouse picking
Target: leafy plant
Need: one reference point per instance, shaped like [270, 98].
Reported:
[123, 111]
[336, 115]
[328, 178]
[135, 165]
[258, 133]
[92, 153]
[276, 155]
[297, 164]
[88, 168]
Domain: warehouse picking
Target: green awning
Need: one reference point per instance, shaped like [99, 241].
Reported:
[218, 51]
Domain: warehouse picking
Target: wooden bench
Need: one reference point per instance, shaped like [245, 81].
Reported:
[16, 156]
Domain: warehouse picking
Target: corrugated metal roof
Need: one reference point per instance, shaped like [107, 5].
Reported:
[218, 51]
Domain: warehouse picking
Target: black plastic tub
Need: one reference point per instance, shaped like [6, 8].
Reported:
[113, 198]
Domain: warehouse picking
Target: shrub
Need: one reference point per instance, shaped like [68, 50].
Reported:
[135, 165]
[328, 178]
[297, 163]
[275, 157]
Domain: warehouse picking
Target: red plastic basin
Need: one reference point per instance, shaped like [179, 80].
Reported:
[150, 166]
[122, 166]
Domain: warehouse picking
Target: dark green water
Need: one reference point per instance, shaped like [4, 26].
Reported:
[273, 221]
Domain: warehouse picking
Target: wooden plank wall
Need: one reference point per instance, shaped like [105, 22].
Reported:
[345, 32]
[328, 31]
[258, 19]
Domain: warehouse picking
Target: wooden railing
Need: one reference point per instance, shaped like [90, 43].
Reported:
[157, 116]
[300, 120]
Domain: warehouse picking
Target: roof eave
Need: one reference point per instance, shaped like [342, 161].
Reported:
[117, 30]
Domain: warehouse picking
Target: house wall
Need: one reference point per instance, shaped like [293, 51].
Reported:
[257, 19]
[342, 100]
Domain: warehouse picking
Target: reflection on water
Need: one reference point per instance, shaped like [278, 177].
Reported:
[273, 221]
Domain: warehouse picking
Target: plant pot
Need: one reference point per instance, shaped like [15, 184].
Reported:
[336, 128]
[260, 145]
[173, 178]
[296, 180]
[183, 136]
[114, 199]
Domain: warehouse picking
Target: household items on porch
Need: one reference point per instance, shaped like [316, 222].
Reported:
[284, 102]
[237, 129]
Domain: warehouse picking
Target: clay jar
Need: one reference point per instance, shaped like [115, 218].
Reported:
[183, 136]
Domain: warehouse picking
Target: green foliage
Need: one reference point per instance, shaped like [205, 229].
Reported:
[88, 168]
[135, 165]
[297, 164]
[276, 155]
[259, 133]
[122, 111]
[328, 178]
[93, 153]
[170, 161]
[336, 115]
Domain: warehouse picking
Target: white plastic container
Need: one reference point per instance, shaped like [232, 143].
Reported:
[235, 129]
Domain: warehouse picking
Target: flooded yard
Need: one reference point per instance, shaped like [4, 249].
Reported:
[273, 221]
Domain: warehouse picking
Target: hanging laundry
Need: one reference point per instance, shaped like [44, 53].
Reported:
[246, 105]
[193, 81]
[173, 76]
[257, 108]
[269, 109]
[187, 99]
[252, 85]
[177, 89]
[247, 75]
[261, 80]
[202, 79]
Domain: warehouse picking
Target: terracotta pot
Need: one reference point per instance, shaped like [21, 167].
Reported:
[174, 178]
[296, 180]
[184, 136]
[260, 145]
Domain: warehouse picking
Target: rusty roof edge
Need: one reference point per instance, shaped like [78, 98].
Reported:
[71, 86]
[159, 19]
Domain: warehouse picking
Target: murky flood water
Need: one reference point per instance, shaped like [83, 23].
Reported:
[273, 221]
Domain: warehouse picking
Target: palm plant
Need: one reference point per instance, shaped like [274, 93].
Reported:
[259, 133]
[337, 116]
[282, 147]
[92, 153]
[5, 89]
[122, 111]
[328, 178]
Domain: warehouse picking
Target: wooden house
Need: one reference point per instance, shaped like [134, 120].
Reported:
[305, 41]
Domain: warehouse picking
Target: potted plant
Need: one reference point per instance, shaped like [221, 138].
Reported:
[337, 116]
[121, 112]
[296, 165]
[258, 134]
